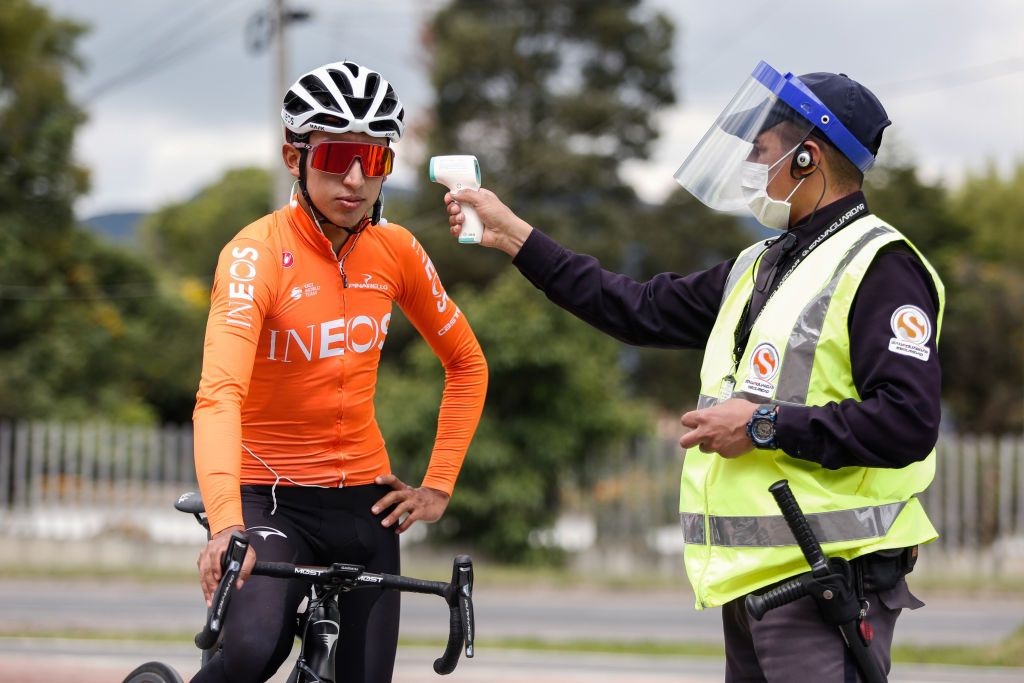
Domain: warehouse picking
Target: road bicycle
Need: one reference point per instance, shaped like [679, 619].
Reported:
[318, 617]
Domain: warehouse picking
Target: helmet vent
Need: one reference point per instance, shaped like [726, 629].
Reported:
[318, 91]
[387, 105]
[359, 105]
[295, 105]
[372, 85]
[329, 121]
[384, 127]
[352, 67]
[341, 80]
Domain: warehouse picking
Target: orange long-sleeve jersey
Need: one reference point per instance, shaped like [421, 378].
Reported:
[290, 360]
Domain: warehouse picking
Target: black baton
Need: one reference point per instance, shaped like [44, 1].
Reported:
[805, 538]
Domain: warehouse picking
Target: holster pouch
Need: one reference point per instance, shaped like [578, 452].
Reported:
[834, 594]
[883, 569]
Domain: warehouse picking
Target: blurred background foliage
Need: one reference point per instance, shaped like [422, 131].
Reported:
[553, 98]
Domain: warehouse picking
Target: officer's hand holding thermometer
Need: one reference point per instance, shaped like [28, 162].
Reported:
[460, 172]
[470, 206]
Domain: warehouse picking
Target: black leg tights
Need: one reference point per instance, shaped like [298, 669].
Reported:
[311, 526]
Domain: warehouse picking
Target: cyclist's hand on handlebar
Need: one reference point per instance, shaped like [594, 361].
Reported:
[210, 558]
[423, 504]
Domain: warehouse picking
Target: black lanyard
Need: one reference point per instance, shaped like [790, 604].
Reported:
[746, 321]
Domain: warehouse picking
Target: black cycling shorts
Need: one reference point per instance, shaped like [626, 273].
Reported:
[311, 526]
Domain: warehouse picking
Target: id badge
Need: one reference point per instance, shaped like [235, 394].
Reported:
[728, 384]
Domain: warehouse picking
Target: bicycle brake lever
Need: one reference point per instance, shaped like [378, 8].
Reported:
[231, 566]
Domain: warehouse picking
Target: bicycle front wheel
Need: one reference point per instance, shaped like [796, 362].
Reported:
[153, 672]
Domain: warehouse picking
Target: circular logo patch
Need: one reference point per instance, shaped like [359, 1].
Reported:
[764, 362]
[287, 260]
[910, 324]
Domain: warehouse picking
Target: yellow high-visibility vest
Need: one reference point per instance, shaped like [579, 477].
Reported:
[798, 354]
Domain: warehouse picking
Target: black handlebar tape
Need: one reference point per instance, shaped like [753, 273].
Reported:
[802, 532]
[206, 638]
[445, 664]
[461, 623]
[231, 566]
[410, 585]
[759, 605]
[280, 570]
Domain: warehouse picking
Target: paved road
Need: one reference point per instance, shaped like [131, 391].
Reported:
[108, 662]
[116, 606]
[123, 607]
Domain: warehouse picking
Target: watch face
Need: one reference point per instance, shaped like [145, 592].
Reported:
[764, 430]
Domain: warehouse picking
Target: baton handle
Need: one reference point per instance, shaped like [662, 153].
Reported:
[759, 605]
[797, 522]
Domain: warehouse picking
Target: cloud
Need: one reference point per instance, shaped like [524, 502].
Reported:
[153, 160]
[163, 137]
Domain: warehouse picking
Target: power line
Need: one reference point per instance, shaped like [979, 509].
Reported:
[922, 85]
[36, 293]
[131, 35]
[165, 54]
[954, 78]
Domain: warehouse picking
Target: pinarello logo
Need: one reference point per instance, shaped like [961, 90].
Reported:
[287, 260]
[910, 324]
[764, 362]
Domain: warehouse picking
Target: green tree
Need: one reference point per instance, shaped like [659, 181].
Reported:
[554, 409]
[552, 97]
[87, 329]
[993, 206]
[971, 237]
[183, 241]
[37, 119]
[983, 349]
[680, 236]
[186, 237]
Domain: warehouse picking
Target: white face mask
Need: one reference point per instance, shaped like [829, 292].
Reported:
[771, 213]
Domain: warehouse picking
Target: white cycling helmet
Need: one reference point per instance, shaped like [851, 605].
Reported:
[343, 97]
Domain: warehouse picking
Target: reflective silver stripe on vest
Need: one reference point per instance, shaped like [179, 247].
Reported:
[705, 401]
[798, 359]
[770, 531]
[739, 269]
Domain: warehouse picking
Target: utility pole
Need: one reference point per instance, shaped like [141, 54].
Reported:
[266, 27]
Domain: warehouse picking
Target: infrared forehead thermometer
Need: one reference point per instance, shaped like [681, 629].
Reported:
[459, 172]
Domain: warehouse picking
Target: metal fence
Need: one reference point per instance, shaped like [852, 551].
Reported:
[976, 500]
[82, 464]
[70, 473]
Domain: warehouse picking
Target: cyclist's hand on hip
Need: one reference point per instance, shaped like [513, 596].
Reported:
[503, 229]
[210, 560]
[418, 505]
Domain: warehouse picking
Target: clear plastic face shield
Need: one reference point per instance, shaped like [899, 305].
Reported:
[753, 140]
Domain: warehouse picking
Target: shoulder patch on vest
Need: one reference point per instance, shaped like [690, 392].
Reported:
[911, 330]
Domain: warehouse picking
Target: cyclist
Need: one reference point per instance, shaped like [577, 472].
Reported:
[287, 445]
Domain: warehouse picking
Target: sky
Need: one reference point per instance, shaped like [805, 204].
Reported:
[175, 96]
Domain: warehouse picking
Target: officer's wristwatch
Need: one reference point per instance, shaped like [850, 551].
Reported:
[761, 428]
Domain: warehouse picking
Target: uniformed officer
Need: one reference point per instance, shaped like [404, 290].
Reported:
[820, 366]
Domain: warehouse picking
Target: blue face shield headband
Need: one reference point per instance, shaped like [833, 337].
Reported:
[799, 97]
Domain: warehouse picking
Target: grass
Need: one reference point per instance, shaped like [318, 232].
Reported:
[487, 574]
[1008, 653]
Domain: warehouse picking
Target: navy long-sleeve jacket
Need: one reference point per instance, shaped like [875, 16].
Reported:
[894, 423]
